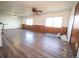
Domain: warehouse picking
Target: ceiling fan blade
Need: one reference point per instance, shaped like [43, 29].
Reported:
[39, 11]
[36, 12]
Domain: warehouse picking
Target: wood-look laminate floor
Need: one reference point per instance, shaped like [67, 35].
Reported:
[27, 44]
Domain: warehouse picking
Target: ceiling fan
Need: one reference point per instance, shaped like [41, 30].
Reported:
[36, 11]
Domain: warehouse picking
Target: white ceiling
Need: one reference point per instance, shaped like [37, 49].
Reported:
[24, 7]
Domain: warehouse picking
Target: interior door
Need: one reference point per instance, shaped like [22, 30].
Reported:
[74, 42]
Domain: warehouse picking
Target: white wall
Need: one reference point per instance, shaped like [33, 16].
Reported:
[12, 22]
[40, 19]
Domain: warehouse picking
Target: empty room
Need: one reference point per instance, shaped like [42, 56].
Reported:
[39, 29]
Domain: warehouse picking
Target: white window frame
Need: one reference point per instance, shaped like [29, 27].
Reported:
[55, 24]
[29, 22]
[48, 22]
[52, 22]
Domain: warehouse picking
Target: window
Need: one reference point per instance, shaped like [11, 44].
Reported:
[54, 22]
[49, 22]
[57, 22]
[29, 21]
